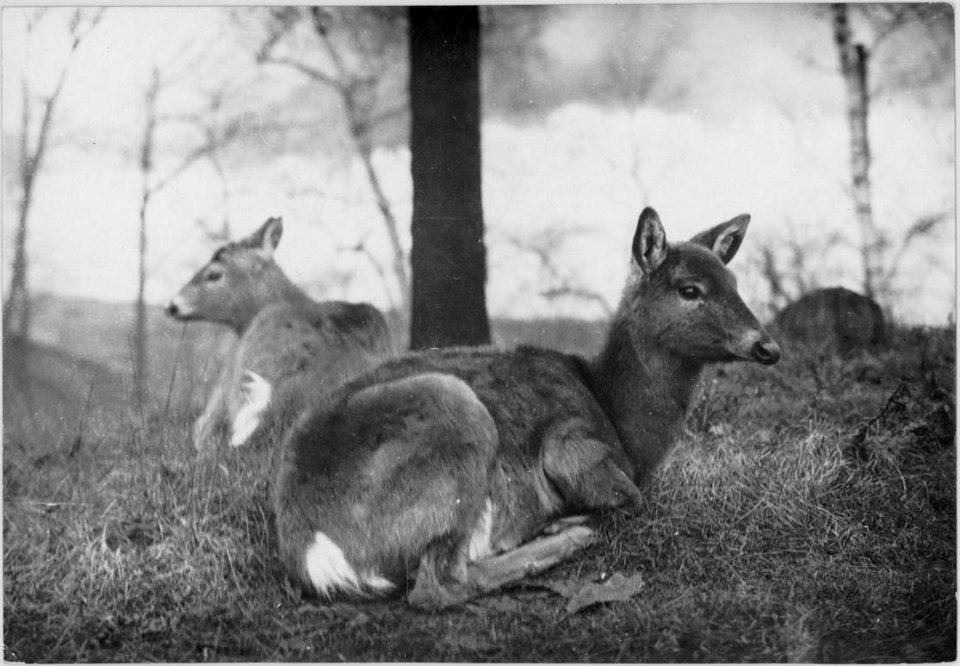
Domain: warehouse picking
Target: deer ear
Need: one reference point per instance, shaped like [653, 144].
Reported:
[725, 238]
[266, 238]
[649, 242]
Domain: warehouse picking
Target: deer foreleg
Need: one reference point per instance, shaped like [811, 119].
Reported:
[211, 426]
[533, 557]
[441, 578]
[442, 583]
[585, 471]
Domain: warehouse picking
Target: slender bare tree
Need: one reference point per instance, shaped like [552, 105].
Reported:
[853, 67]
[33, 149]
[557, 283]
[935, 24]
[355, 45]
[214, 137]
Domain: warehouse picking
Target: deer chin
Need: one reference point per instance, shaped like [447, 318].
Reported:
[759, 349]
[767, 353]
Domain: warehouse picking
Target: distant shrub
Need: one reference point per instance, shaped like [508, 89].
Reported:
[833, 318]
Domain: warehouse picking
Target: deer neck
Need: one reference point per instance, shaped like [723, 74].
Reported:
[274, 287]
[645, 391]
[285, 291]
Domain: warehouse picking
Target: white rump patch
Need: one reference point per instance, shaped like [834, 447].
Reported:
[329, 570]
[479, 546]
[256, 392]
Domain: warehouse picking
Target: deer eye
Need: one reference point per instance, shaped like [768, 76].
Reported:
[690, 293]
[213, 275]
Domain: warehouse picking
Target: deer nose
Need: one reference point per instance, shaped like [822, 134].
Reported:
[766, 352]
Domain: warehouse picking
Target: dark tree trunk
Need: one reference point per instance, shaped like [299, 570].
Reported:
[853, 66]
[448, 257]
[16, 309]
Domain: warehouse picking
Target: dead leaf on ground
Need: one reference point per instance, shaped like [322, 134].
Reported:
[583, 594]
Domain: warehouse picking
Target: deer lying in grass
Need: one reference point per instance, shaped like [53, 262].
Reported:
[469, 466]
[290, 348]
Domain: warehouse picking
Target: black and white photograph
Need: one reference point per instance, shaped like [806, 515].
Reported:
[556, 333]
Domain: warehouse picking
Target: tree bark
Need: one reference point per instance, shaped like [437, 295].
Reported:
[16, 309]
[448, 257]
[853, 67]
[17, 303]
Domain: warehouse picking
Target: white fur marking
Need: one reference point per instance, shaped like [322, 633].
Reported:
[256, 396]
[329, 570]
[479, 546]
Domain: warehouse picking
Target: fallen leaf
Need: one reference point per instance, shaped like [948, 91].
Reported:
[582, 595]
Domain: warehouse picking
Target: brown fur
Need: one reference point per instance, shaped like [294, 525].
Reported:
[300, 347]
[397, 467]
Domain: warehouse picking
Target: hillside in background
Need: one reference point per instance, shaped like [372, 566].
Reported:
[100, 330]
[79, 343]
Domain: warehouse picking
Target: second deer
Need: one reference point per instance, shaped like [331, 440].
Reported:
[450, 474]
[290, 348]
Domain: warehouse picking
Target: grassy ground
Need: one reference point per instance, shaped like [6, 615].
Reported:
[808, 514]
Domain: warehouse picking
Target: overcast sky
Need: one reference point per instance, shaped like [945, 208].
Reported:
[744, 114]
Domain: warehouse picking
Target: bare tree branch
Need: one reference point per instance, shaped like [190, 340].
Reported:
[580, 293]
[357, 93]
[921, 228]
[310, 71]
[774, 276]
[200, 152]
[545, 245]
[362, 248]
[31, 161]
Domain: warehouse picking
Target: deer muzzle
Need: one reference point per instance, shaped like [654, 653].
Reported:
[179, 309]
